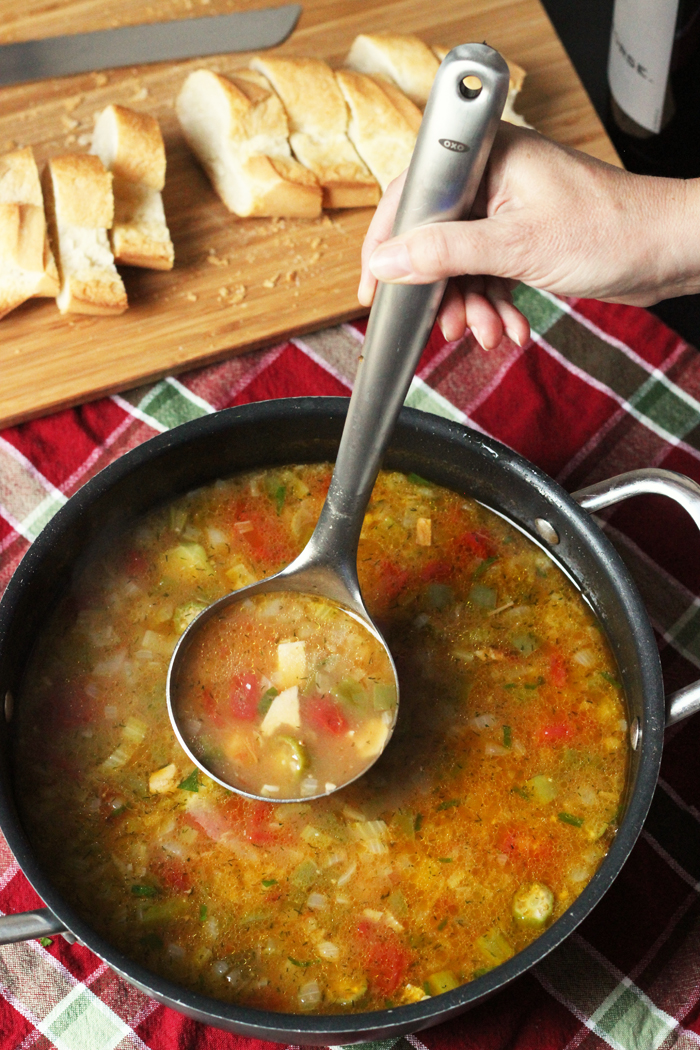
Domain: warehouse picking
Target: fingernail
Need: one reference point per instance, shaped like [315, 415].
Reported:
[364, 290]
[390, 262]
[477, 336]
[513, 337]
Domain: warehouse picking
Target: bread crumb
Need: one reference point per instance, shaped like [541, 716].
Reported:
[292, 277]
[72, 103]
[70, 139]
[84, 140]
[192, 298]
[271, 281]
[216, 261]
[316, 242]
[140, 95]
[223, 291]
[70, 123]
[101, 79]
[314, 258]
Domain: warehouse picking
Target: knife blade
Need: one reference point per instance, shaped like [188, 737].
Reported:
[62, 56]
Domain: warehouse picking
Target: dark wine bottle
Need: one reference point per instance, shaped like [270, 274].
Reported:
[654, 77]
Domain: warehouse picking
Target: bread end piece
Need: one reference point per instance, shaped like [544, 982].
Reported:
[238, 130]
[139, 235]
[27, 267]
[404, 59]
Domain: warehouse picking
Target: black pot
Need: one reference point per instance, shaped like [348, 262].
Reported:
[302, 430]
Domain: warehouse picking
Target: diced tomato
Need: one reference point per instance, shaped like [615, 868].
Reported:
[325, 715]
[393, 580]
[210, 708]
[258, 829]
[523, 848]
[558, 672]
[479, 543]
[384, 957]
[555, 732]
[245, 696]
[174, 874]
[437, 572]
[135, 563]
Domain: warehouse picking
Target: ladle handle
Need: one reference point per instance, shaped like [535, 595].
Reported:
[448, 161]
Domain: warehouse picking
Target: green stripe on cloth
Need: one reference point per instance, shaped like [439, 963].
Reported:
[423, 397]
[81, 1021]
[170, 403]
[381, 1044]
[541, 310]
[616, 1011]
[668, 406]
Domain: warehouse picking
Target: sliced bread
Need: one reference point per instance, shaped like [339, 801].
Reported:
[27, 266]
[517, 76]
[383, 133]
[405, 60]
[238, 129]
[130, 145]
[318, 123]
[80, 210]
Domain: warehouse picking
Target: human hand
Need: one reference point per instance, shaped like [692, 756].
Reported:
[549, 216]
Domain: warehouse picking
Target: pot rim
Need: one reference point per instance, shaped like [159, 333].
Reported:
[346, 1028]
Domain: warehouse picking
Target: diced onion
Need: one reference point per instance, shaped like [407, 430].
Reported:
[585, 657]
[347, 875]
[495, 750]
[310, 993]
[316, 901]
[485, 721]
[328, 950]
[219, 969]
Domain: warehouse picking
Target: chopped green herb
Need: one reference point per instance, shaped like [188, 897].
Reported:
[280, 496]
[141, 890]
[448, 805]
[426, 988]
[445, 860]
[269, 882]
[191, 782]
[418, 822]
[534, 685]
[416, 479]
[266, 700]
[510, 685]
[522, 792]
[610, 678]
[481, 569]
[117, 812]
[507, 736]
[45, 942]
[203, 912]
[296, 962]
[569, 818]
[443, 924]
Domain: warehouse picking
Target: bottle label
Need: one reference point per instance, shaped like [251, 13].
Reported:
[640, 57]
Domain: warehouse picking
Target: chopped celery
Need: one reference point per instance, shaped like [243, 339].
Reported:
[397, 904]
[187, 559]
[165, 911]
[484, 597]
[494, 947]
[384, 696]
[444, 981]
[186, 613]
[304, 875]
[533, 905]
[542, 789]
[178, 518]
[294, 754]
[526, 643]
[416, 479]
[350, 691]
[482, 568]
[404, 820]
[440, 595]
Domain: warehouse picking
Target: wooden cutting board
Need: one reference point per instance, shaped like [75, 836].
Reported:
[237, 284]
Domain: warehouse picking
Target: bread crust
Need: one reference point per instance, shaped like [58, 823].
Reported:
[383, 137]
[318, 121]
[27, 267]
[130, 145]
[238, 129]
[405, 59]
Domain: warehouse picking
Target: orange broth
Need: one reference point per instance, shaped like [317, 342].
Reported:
[489, 812]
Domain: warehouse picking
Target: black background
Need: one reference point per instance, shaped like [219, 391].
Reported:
[584, 29]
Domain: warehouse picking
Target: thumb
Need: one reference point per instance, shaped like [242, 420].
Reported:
[447, 249]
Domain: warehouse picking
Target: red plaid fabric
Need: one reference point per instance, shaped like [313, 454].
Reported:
[598, 390]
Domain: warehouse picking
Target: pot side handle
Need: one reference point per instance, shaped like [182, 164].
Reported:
[28, 925]
[683, 490]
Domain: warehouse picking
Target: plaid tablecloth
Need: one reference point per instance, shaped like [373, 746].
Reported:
[598, 390]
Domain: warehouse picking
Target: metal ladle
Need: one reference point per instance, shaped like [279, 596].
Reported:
[455, 138]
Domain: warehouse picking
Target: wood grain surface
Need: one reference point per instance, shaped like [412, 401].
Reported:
[237, 284]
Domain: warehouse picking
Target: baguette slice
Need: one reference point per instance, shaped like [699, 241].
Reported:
[517, 77]
[238, 129]
[405, 60]
[27, 266]
[382, 134]
[80, 209]
[130, 145]
[318, 123]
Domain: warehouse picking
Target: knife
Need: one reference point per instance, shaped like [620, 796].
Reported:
[62, 56]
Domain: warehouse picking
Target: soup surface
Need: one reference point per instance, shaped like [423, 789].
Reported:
[488, 813]
[285, 695]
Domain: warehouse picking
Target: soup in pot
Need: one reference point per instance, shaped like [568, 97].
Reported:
[488, 813]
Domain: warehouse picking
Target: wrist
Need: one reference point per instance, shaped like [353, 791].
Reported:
[674, 210]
